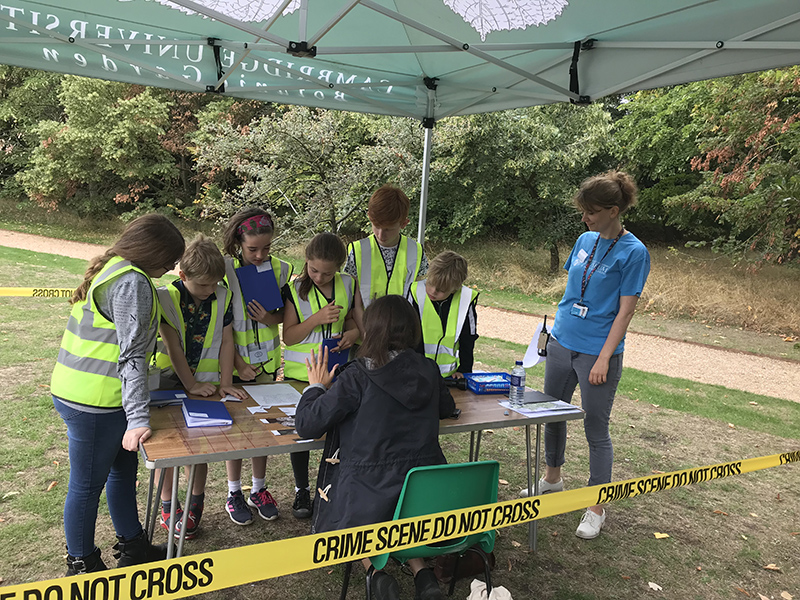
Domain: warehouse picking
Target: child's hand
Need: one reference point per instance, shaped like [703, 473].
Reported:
[248, 372]
[328, 314]
[347, 340]
[457, 375]
[257, 312]
[203, 389]
[132, 437]
[229, 390]
[318, 368]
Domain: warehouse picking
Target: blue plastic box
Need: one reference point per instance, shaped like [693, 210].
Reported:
[488, 383]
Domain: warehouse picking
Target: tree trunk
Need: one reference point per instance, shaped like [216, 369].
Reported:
[555, 261]
[332, 217]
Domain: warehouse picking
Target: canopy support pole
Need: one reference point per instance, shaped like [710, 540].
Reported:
[426, 171]
[427, 123]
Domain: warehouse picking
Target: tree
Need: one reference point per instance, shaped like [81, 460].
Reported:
[313, 168]
[107, 147]
[516, 171]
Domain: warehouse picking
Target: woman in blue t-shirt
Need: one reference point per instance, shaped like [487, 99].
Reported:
[608, 267]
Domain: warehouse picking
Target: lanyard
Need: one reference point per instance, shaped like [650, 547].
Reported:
[327, 330]
[585, 280]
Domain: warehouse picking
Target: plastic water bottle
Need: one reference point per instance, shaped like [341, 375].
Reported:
[517, 390]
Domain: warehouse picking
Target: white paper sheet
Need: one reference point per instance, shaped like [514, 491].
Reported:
[532, 353]
[273, 394]
[536, 409]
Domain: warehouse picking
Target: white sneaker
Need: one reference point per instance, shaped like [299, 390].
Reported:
[591, 524]
[545, 488]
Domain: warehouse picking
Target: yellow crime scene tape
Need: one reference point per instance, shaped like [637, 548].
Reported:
[197, 574]
[41, 292]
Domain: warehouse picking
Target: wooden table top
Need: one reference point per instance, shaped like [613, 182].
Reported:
[173, 444]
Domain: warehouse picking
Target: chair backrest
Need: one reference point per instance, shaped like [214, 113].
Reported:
[439, 488]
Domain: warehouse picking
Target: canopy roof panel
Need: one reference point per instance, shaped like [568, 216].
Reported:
[419, 58]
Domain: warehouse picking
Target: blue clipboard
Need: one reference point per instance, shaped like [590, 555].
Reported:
[335, 358]
[259, 284]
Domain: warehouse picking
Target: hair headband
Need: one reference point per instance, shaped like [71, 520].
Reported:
[253, 224]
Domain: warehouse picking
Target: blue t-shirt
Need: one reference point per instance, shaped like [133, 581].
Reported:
[622, 273]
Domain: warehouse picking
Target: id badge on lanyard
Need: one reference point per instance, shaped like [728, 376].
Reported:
[579, 309]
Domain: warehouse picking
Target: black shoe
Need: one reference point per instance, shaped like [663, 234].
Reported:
[384, 587]
[301, 508]
[427, 586]
[137, 551]
[87, 564]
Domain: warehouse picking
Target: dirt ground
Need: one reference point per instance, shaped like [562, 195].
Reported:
[655, 354]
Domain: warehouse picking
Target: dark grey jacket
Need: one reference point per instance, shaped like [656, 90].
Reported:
[383, 422]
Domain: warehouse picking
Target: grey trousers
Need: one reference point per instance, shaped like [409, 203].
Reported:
[564, 370]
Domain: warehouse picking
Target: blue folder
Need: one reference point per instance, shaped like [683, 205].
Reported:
[334, 358]
[259, 284]
[205, 413]
[162, 397]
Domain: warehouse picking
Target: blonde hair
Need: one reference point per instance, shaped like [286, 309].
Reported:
[150, 242]
[447, 271]
[607, 190]
[203, 260]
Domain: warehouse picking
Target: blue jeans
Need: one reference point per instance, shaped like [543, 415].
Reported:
[564, 370]
[97, 459]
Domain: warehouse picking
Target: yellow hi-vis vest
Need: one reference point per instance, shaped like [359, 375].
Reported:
[373, 280]
[294, 358]
[442, 346]
[208, 368]
[249, 335]
[87, 368]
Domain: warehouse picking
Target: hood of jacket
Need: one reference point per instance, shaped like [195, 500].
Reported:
[408, 378]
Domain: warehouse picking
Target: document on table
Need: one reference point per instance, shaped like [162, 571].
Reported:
[557, 407]
[273, 394]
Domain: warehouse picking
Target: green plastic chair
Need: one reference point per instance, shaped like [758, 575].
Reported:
[440, 488]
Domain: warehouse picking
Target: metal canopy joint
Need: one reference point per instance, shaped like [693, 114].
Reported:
[301, 50]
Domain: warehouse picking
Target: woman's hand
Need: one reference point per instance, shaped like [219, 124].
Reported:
[203, 389]
[597, 376]
[132, 437]
[230, 390]
[317, 367]
[328, 314]
[347, 340]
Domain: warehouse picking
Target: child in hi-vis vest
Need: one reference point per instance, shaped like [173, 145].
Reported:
[100, 389]
[321, 305]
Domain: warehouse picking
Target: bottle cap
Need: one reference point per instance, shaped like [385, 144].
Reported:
[519, 362]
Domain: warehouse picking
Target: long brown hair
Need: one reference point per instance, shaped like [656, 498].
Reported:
[150, 242]
[390, 324]
[323, 246]
[233, 235]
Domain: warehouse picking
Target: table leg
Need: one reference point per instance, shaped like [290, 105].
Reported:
[152, 508]
[471, 446]
[478, 444]
[149, 502]
[173, 510]
[187, 505]
[533, 479]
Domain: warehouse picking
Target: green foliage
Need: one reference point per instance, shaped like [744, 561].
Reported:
[314, 169]
[515, 171]
[107, 147]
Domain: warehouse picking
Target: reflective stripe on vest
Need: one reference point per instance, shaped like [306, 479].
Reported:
[244, 328]
[87, 369]
[373, 280]
[208, 368]
[294, 358]
[442, 346]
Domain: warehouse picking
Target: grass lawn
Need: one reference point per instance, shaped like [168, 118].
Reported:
[721, 533]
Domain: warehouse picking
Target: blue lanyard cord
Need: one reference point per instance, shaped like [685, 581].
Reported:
[327, 330]
[585, 280]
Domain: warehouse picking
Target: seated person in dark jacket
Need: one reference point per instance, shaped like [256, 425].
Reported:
[381, 417]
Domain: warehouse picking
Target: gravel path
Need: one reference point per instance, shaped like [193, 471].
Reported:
[697, 362]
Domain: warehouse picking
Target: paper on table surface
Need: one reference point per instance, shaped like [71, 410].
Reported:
[273, 394]
[532, 353]
[558, 407]
[230, 398]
